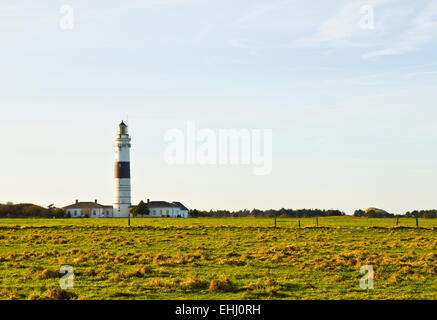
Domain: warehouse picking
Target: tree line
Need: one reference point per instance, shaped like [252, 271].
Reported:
[427, 214]
[291, 213]
[379, 213]
[29, 210]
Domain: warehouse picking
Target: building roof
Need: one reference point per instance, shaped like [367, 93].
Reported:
[122, 124]
[165, 204]
[180, 205]
[160, 204]
[85, 205]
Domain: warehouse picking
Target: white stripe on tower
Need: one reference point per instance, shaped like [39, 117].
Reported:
[122, 189]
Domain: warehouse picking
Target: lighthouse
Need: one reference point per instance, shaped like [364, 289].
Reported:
[122, 189]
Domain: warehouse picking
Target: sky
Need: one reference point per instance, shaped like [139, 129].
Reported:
[352, 110]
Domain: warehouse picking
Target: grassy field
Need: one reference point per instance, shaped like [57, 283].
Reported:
[212, 258]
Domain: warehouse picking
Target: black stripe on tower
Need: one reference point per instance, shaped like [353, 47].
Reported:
[122, 170]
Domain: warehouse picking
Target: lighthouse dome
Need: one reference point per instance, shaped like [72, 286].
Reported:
[122, 128]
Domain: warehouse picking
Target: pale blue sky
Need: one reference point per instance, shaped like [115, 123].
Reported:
[353, 111]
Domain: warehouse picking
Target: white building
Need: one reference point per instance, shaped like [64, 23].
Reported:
[89, 209]
[167, 209]
[95, 210]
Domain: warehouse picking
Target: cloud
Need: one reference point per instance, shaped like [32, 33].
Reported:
[341, 28]
[422, 32]
[336, 28]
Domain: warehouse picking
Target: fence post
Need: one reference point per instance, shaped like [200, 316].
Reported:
[417, 221]
[298, 221]
[275, 219]
[397, 221]
[317, 221]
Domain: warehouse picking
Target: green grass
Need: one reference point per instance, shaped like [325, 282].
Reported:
[212, 258]
[347, 221]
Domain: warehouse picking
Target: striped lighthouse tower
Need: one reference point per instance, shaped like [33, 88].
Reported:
[122, 200]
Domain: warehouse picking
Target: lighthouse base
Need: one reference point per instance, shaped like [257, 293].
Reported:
[121, 210]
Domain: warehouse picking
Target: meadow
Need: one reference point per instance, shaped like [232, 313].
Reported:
[218, 258]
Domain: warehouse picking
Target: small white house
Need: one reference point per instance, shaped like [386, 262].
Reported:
[89, 209]
[167, 209]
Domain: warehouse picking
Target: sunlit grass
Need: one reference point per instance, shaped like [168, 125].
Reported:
[212, 258]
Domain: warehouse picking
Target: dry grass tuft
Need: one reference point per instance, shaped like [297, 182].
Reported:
[220, 285]
[49, 274]
[142, 271]
[59, 294]
[254, 286]
[338, 278]
[159, 257]
[78, 260]
[118, 277]
[395, 278]
[120, 259]
[102, 276]
[432, 270]
[194, 283]
[12, 255]
[157, 282]
[406, 270]
[145, 270]
[90, 273]
[232, 261]
[9, 294]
